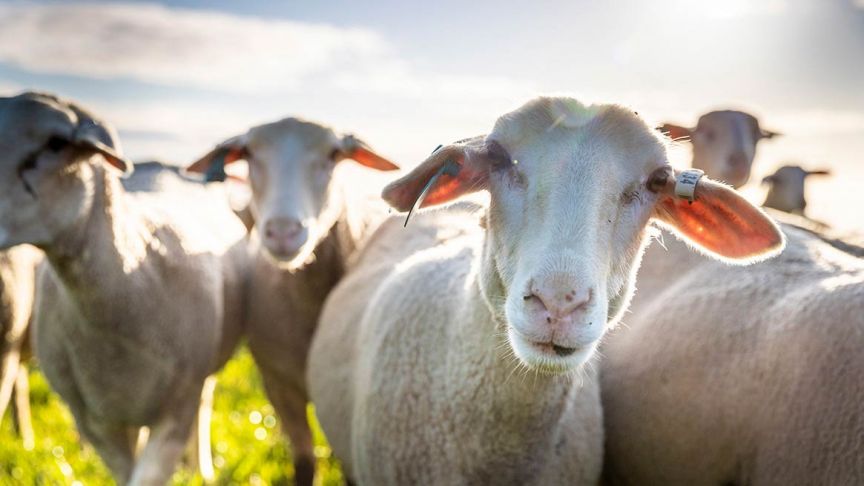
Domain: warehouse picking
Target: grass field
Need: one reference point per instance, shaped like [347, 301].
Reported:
[248, 447]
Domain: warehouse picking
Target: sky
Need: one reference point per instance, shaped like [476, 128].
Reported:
[177, 77]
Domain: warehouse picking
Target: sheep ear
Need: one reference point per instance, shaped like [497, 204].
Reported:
[212, 165]
[447, 174]
[675, 132]
[718, 221]
[360, 152]
[91, 135]
[768, 133]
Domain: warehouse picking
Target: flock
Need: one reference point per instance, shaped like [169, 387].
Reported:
[444, 338]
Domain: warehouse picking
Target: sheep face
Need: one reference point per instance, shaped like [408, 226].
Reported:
[724, 144]
[573, 188]
[291, 165]
[786, 191]
[290, 171]
[582, 171]
[45, 180]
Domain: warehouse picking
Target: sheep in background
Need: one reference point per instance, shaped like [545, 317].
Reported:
[724, 144]
[141, 296]
[412, 368]
[786, 204]
[786, 188]
[725, 375]
[17, 287]
[306, 230]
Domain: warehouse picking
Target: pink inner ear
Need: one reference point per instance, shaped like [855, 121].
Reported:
[200, 166]
[675, 132]
[404, 192]
[722, 222]
[367, 157]
[118, 163]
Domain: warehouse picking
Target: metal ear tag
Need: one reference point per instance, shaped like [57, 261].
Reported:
[450, 168]
[685, 184]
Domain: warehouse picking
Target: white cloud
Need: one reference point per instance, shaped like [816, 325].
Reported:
[221, 51]
[349, 77]
[175, 46]
[395, 78]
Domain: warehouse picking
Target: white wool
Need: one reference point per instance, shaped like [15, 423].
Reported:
[744, 374]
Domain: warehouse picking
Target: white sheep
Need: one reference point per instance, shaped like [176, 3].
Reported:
[786, 188]
[307, 227]
[456, 355]
[141, 298]
[724, 144]
[727, 375]
[17, 287]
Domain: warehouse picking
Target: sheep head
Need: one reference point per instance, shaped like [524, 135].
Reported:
[724, 144]
[573, 189]
[49, 148]
[291, 165]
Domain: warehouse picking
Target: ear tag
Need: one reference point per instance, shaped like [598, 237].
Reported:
[685, 184]
[450, 168]
[216, 171]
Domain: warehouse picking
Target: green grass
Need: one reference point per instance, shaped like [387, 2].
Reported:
[248, 447]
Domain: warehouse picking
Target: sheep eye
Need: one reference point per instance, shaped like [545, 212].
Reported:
[658, 180]
[56, 144]
[498, 156]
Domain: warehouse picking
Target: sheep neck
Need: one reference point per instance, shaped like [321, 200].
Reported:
[305, 289]
[529, 401]
[302, 291]
[104, 246]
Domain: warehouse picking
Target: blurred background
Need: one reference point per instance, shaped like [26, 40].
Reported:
[177, 77]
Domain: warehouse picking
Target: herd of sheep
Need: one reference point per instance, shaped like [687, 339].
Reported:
[488, 340]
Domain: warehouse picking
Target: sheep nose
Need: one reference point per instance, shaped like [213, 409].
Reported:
[284, 237]
[559, 302]
[738, 160]
[282, 229]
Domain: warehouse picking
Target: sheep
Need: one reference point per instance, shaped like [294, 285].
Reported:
[306, 231]
[155, 176]
[17, 287]
[724, 144]
[411, 368]
[141, 296]
[786, 188]
[739, 376]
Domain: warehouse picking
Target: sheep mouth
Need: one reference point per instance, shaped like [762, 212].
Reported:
[291, 261]
[283, 255]
[552, 348]
[548, 356]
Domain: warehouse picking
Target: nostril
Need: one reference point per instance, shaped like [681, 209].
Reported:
[535, 298]
[737, 159]
[282, 229]
[560, 304]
